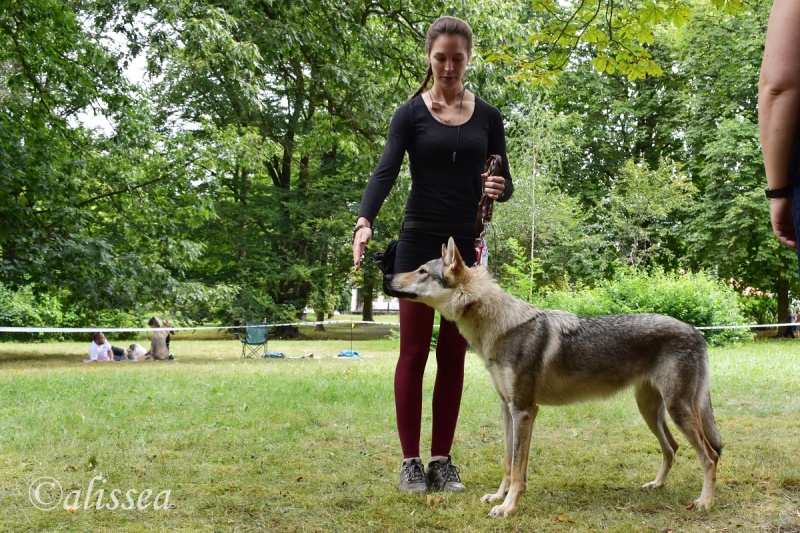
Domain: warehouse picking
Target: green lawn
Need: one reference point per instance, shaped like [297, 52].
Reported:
[310, 445]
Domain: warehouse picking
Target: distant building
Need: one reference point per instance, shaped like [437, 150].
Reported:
[381, 305]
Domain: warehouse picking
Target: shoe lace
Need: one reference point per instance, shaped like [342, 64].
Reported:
[450, 472]
[414, 473]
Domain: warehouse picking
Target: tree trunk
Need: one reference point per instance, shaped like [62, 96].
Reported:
[782, 291]
[366, 294]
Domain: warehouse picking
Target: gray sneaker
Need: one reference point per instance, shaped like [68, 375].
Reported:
[412, 477]
[443, 475]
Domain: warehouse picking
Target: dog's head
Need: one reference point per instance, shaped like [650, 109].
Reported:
[436, 283]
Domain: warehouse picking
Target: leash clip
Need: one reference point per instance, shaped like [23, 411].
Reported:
[481, 251]
[494, 166]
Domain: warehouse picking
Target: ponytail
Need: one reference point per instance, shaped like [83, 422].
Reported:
[428, 76]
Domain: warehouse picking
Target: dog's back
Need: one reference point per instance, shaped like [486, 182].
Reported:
[575, 358]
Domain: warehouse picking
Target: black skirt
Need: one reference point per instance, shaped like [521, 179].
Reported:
[421, 242]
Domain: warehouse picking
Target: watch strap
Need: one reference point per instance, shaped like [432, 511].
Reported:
[783, 192]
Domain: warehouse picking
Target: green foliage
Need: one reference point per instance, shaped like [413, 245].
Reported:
[695, 298]
[31, 308]
[618, 36]
[637, 211]
[522, 270]
[255, 306]
[20, 309]
[236, 168]
[759, 308]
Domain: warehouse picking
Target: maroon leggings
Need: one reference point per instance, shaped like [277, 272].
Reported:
[416, 327]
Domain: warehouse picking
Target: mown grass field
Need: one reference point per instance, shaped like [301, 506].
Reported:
[310, 445]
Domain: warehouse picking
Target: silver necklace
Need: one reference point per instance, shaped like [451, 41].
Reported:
[435, 106]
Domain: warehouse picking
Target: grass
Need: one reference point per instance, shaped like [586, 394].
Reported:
[310, 445]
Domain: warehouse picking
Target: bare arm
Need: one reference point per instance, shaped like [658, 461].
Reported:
[360, 239]
[779, 108]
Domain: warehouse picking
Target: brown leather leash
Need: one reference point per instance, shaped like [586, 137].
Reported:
[494, 167]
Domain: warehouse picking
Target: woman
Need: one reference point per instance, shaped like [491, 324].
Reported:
[448, 134]
[779, 119]
[159, 347]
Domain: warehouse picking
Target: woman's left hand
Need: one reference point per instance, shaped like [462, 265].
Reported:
[493, 186]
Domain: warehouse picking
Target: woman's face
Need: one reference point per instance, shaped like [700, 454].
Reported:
[448, 58]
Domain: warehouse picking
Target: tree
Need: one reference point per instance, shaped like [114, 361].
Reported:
[729, 231]
[292, 95]
[80, 206]
[637, 211]
[616, 33]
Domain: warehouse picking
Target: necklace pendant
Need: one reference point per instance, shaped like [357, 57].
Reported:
[435, 106]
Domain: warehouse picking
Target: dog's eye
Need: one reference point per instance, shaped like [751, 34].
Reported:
[422, 271]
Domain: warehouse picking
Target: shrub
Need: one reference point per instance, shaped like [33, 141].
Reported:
[759, 308]
[18, 309]
[695, 298]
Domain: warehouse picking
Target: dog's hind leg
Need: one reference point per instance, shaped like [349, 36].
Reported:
[522, 426]
[651, 405]
[689, 415]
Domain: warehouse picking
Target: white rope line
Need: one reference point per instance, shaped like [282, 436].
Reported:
[5, 329]
[751, 326]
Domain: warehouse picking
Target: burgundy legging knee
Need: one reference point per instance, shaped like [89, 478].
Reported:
[416, 327]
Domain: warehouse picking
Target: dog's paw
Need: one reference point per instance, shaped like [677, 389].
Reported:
[501, 511]
[652, 485]
[489, 498]
[699, 504]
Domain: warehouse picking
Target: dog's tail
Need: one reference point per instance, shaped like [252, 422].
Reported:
[709, 426]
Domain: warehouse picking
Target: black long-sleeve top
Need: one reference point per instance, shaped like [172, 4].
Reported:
[442, 190]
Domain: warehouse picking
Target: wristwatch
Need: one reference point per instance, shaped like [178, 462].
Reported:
[785, 192]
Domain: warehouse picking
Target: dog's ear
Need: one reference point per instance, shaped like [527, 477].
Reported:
[450, 256]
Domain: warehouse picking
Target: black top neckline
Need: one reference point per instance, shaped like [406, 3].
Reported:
[433, 118]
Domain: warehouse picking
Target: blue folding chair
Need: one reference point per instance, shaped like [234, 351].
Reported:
[254, 340]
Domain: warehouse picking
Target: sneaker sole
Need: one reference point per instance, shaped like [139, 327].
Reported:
[413, 491]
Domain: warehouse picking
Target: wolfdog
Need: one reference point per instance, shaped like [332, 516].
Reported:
[543, 357]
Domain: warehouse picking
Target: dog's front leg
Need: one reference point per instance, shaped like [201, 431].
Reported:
[522, 426]
[508, 439]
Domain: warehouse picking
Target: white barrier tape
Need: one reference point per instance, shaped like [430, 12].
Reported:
[751, 326]
[4, 329]
[92, 330]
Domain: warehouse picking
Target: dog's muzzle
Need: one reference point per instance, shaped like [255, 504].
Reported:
[390, 291]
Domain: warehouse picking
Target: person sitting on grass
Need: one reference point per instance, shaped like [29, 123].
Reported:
[170, 333]
[101, 350]
[158, 344]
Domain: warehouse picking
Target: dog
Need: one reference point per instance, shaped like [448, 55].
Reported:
[546, 357]
[136, 352]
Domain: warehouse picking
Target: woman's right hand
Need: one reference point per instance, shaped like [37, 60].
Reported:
[782, 222]
[360, 239]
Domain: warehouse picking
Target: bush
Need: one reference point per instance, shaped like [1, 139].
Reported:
[24, 307]
[256, 306]
[18, 309]
[697, 299]
[759, 308]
